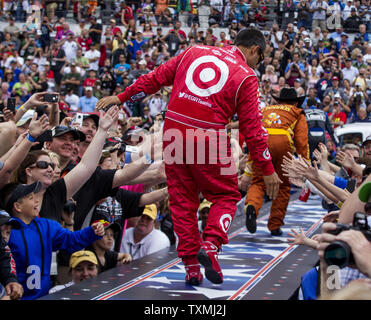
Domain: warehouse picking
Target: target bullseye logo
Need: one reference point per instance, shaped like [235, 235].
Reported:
[266, 154]
[225, 221]
[206, 75]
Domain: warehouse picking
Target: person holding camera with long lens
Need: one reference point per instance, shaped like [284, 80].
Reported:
[346, 249]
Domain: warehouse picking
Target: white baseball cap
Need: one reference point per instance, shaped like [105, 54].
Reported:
[26, 117]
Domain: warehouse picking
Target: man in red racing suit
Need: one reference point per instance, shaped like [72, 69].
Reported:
[210, 85]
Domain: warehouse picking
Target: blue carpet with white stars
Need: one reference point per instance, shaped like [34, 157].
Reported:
[255, 266]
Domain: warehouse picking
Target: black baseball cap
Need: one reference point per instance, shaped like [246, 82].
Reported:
[5, 218]
[368, 139]
[112, 141]
[58, 131]
[107, 225]
[93, 116]
[133, 131]
[21, 191]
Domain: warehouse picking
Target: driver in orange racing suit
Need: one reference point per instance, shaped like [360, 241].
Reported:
[287, 128]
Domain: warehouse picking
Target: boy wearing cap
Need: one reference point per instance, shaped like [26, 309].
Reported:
[106, 257]
[8, 275]
[144, 239]
[83, 265]
[32, 245]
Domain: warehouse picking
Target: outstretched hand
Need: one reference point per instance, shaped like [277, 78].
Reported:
[127, 258]
[37, 127]
[297, 237]
[345, 159]
[300, 167]
[332, 216]
[106, 120]
[36, 100]
[106, 101]
[8, 115]
[272, 183]
[288, 168]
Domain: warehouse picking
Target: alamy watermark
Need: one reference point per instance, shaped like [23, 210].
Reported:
[333, 281]
[195, 146]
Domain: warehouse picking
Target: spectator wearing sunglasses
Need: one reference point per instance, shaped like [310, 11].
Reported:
[38, 166]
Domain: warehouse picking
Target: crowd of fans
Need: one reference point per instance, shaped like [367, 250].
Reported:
[54, 155]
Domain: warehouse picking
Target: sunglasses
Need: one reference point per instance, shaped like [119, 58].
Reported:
[43, 165]
[261, 55]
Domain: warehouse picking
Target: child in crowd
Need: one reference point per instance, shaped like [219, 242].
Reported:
[32, 245]
[107, 259]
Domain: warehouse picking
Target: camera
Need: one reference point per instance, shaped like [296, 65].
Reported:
[78, 118]
[51, 97]
[339, 252]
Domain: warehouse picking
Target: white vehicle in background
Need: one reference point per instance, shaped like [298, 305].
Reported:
[353, 132]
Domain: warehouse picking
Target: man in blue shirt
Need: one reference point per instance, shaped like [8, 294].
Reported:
[121, 68]
[88, 101]
[135, 45]
[321, 47]
[337, 34]
[242, 9]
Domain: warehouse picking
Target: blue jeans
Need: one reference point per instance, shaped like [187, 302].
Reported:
[304, 23]
[20, 15]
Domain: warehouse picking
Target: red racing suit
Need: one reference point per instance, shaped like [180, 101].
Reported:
[210, 85]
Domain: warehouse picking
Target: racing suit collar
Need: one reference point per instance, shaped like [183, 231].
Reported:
[240, 53]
